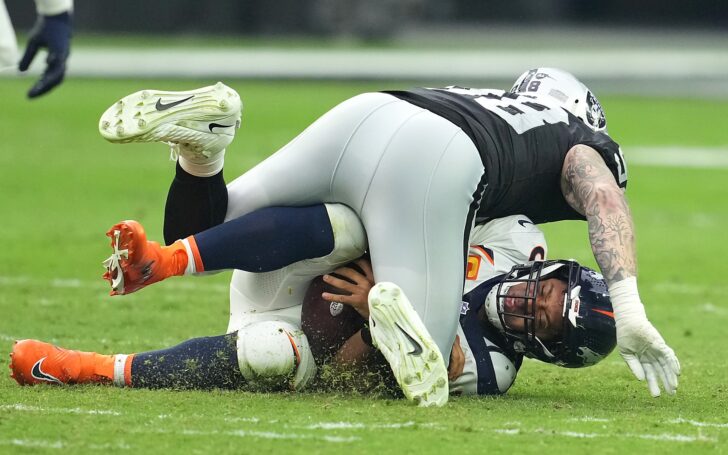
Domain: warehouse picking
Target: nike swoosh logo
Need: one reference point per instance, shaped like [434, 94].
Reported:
[523, 223]
[37, 373]
[417, 347]
[217, 125]
[163, 107]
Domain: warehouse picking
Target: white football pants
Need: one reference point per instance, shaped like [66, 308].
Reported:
[411, 177]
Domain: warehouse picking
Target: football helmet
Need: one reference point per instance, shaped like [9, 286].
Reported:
[565, 89]
[588, 333]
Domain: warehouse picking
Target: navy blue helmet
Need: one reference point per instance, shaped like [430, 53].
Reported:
[588, 329]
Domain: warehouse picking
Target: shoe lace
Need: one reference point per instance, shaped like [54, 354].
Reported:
[113, 265]
[176, 149]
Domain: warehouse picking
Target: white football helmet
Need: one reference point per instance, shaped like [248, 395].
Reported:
[565, 89]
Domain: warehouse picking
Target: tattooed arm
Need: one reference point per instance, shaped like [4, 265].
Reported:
[589, 187]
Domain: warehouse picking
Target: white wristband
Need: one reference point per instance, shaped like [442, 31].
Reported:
[626, 299]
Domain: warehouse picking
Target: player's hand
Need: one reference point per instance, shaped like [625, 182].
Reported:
[647, 354]
[54, 34]
[457, 360]
[356, 286]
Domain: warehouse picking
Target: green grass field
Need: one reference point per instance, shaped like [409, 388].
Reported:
[62, 186]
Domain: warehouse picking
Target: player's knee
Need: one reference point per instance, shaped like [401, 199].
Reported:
[350, 240]
[274, 355]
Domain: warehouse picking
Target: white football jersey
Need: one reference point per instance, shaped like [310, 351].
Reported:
[495, 247]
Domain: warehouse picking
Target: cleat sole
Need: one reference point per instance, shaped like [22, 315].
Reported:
[404, 341]
[207, 104]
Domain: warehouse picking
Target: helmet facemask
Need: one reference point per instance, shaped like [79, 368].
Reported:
[586, 333]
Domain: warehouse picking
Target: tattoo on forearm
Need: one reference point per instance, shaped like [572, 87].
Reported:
[590, 188]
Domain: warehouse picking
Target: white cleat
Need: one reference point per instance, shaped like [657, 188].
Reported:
[197, 123]
[399, 334]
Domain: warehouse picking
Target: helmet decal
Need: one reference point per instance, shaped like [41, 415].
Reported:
[594, 112]
[565, 89]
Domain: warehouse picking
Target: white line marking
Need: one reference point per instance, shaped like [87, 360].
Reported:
[25, 408]
[570, 434]
[363, 426]
[37, 443]
[696, 423]
[573, 434]
[254, 434]
[589, 419]
[672, 437]
[675, 156]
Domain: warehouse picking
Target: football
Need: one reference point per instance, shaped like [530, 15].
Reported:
[327, 325]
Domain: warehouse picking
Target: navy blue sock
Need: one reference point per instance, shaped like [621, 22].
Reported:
[193, 204]
[200, 363]
[267, 239]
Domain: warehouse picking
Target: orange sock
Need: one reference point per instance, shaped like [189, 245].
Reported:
[127, 370]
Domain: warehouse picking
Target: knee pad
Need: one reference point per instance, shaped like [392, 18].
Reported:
[350, 239]
[275, 355]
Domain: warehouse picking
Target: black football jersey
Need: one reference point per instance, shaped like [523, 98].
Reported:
[522, 141]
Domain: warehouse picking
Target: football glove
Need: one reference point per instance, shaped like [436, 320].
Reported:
[639, 342]
[53, 33]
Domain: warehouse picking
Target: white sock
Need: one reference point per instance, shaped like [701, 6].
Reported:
[205, 167]
[191, 267]
[119, 364]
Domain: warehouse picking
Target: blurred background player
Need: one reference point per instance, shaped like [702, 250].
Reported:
[52, 31]
[421, 162]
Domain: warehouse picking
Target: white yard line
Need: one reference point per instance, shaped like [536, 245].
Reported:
[648, 65]
[255, 434]
[589, 419]
[696, 423]
[26, 408]
[32, 443]
[669, 437]
[677, 156]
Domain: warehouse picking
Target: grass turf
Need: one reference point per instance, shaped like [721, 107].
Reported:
[62, 186]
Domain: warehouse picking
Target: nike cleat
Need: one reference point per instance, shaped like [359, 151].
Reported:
[399, 334]
[136, 262]
[197, 123]
[35, 362]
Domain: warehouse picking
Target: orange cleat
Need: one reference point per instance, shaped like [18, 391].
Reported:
[35, 362]
[136, 262]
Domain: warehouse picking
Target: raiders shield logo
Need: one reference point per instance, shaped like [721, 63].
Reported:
[335, 308]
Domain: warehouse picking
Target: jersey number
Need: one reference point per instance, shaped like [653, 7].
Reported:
[521, 112]
[621, 167]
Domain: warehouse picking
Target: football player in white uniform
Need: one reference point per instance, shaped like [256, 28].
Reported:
[52, 31]
[545, 315]
[569, 322]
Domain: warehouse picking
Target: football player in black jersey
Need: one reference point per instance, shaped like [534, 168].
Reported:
[419, 168]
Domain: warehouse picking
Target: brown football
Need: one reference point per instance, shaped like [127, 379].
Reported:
[327, 325]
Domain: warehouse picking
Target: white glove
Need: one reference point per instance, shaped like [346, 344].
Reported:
[639, 342]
